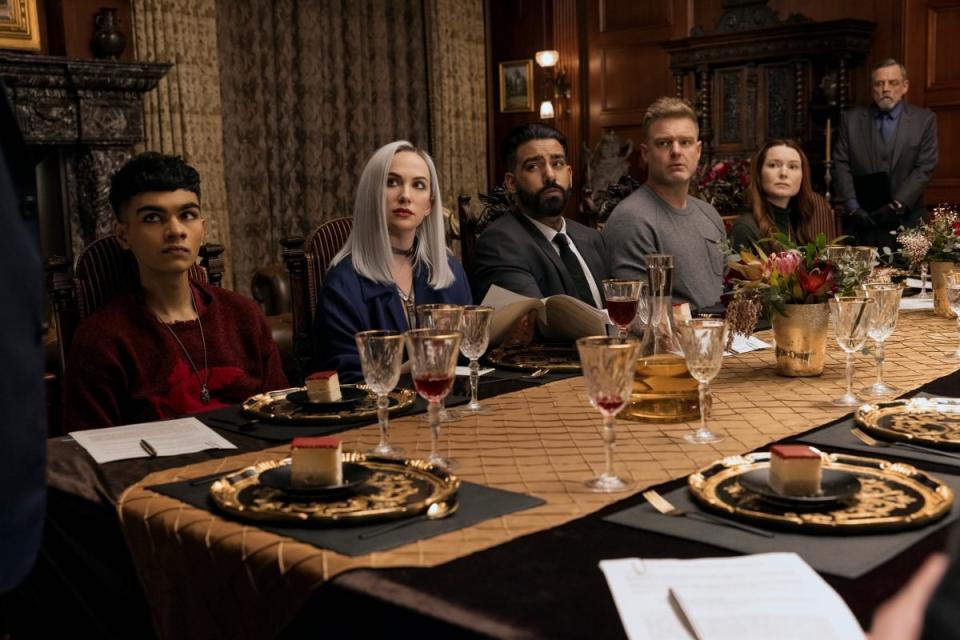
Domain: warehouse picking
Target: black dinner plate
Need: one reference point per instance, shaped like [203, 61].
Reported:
[354, 475]
[350, 397]
[835, 485]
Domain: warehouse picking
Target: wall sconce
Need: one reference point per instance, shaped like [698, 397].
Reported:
[556, 83]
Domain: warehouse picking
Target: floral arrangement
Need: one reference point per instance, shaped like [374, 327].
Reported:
[936, 240]
[724, 185]
[796, 275]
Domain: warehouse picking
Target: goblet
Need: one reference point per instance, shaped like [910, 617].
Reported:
[953, 299]
[852, 319]
[623, 300]
[703, 341]
[886, 308]
[445, 317]
[475, 327]
[433, 362]
[608, 364]
[381, 353]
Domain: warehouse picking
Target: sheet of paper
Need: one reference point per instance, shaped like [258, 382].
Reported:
[771, 595]
[917, 283]
[465, 371]
[167, 437]
[914, 303]
[743, 344]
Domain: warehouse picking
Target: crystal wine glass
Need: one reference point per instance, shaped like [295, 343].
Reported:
[608, 365]
[953, 299]
[381, 354]
[886, 298]
[433, 362]
[445, 317]
[852, 319]
[475, 327]
[623, 300]
[703, 341]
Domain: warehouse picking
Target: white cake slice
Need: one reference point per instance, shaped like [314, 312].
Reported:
[323, 386]
[315, 462]
[795, 470]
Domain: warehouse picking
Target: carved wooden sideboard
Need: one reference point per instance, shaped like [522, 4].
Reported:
[82, 117]
[757, 77]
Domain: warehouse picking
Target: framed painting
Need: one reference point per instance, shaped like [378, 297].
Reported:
[516, 86]
[19, 25]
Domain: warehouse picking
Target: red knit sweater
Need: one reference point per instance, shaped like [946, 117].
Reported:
[124, 366]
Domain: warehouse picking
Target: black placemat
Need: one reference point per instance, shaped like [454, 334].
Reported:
[847, 556]
[477, 503]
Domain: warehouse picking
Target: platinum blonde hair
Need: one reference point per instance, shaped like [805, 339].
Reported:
[369, 241]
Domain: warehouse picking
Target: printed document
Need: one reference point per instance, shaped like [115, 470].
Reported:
[166, 438]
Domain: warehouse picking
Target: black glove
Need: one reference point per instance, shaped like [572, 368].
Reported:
[862, 220]
[885, 216]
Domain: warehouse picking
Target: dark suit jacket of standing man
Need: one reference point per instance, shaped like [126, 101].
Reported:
[22, 423]
[909, 160]
[512, 253]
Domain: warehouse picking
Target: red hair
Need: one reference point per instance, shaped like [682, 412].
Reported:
[803, 202]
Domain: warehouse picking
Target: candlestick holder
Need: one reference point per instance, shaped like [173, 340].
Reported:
[827, 178]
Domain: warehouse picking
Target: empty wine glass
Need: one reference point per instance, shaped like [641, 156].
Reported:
[608, 364]
[381, 354]
[433, 362]
[445, 317]
[953, 299]
[852, 319]
[703, 341]
[886, 298]
[623, 301]
[475, 327]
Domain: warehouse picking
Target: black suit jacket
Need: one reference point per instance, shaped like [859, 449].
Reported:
[513, 254]
[22, 424]
[912, 163]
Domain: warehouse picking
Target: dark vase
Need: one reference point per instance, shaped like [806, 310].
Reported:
[108, 40]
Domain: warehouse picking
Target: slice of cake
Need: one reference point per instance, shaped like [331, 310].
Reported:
[315, 462]
[323, 386]
[795, 470]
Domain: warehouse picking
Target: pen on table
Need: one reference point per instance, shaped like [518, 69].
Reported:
[146, 446]
[681, 613]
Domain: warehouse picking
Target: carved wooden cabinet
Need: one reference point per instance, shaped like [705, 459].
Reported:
[756, 77]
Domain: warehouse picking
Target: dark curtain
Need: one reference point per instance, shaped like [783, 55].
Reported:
[310, 88]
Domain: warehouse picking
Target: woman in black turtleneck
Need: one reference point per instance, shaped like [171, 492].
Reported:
[780, 197]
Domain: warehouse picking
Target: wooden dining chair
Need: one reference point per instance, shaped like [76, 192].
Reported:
[102, 269]
[307, 261]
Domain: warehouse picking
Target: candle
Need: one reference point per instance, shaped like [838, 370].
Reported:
[828, 140]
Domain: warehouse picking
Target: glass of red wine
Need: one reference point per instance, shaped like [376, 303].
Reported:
[623, 301]
[433, 361]
[608, 365]
[440, 316]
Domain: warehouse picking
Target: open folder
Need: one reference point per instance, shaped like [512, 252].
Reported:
[559, 317]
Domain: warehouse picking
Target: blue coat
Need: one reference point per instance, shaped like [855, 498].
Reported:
[349, 303]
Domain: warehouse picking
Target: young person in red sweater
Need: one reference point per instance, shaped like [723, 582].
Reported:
[171, 346]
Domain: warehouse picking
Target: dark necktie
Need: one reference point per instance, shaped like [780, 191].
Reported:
[573, 267]
[887, 124]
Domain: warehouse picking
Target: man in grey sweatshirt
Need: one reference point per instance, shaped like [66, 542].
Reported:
[661, 217]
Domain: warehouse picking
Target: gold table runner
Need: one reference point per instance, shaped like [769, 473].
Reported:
[206, 576]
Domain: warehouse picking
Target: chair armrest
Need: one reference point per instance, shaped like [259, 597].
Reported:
[270, 287]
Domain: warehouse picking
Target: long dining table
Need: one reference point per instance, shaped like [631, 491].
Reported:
[528, 573]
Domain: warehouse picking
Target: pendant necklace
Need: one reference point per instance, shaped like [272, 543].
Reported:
[204, 391]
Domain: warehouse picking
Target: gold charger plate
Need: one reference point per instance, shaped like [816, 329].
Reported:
[273, 406]
[560, 358]
[396, 489]
[892, 496]
[933, 422]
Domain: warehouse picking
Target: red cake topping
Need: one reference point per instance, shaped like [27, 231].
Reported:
[318, 442]
[793, 451]
[321, 375]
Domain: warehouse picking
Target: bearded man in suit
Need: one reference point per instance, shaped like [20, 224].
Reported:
[884, 158]
[533, 250]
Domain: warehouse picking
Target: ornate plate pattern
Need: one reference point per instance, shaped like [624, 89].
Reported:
[933, 422]
[892, 496]
[555, 357]
[395, 489]
[273, 406]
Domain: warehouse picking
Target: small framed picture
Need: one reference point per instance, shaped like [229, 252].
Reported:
[516, 86]
[19, 25]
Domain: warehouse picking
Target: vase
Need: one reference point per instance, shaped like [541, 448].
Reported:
[108, 39]
[938, 274]
[801, 339]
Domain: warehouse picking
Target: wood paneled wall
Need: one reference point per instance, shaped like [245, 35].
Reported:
[622, 68]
